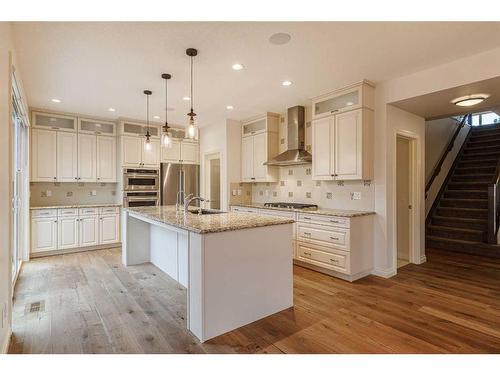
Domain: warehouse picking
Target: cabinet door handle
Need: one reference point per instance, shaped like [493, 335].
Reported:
[55, 221]
[335, 110]
[334, 260]
[307, 234]
[55, 178]
[334, 238]
[306, 253]
[306, 218]
[334, 221]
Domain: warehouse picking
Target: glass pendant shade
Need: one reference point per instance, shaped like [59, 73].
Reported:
[166, 139]
[147, 145]
[166, 136]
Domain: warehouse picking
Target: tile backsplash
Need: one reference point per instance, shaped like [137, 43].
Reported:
[296, 185]
[64, 193]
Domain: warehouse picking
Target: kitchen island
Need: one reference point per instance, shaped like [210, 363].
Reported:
[237, 267]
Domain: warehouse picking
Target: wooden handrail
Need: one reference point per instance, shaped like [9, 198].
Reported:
[437, 168]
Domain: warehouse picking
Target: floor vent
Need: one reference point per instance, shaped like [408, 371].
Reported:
[35, 307]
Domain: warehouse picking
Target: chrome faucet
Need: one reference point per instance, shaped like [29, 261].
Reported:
[188, 199]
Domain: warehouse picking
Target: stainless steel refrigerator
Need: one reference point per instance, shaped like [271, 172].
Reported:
[178, 181]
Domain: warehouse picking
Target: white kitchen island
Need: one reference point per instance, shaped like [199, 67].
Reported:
[237, 267]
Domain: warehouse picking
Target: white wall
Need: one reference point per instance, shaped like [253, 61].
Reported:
[459, 72]
[7, 60]
[438, 134]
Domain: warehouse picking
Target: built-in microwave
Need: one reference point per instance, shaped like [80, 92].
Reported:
[140, 198]
[141, 179]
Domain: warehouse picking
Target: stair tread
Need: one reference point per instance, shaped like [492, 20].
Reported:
[462, 219]
[464, 199]
[454, 229]
[464, 209]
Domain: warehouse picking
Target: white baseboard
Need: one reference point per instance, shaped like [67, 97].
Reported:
[385, 273]
[5, 345]
[423, 259]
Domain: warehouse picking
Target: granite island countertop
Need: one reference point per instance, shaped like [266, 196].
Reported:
[318, 211]
[75, 206]
[226, 221]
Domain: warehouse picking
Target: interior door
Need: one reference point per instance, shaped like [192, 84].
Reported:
[87, 165]
[321, 148]
[131, 151]
[403, 197]
[347, 146]
[106, 159]
[67, 157]
[247, 158]
[259, 156]
[43, 155]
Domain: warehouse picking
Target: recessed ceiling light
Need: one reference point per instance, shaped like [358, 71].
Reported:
[470, 100]
[279, 39]
[156, 117]
[229, 107]
[349, 103]
[237, 66]
[186, 98]
[111, 109]
[56, 100]
[286, 83]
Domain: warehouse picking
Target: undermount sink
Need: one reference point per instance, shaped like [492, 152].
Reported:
[205, 212]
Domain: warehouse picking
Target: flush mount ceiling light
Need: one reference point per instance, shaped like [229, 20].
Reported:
[229, 107]
[237, 66]
[111, 109]
[286, 83]
[470, 100]
[147, 144]
[55, 100]
[279, 39]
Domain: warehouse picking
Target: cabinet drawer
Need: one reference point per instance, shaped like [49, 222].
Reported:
[67, 211]
[88, 211]
[278, 213]
[108, 210]
[324, 235]
[325, 220]
[337, 261]
[44, 213]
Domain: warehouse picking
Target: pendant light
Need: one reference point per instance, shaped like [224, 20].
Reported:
[147, 144]
[166, 137]
[191, 127]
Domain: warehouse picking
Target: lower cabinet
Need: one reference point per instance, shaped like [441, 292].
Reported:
[50, 231]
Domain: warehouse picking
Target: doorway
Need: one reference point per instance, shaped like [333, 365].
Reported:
[404, 204]
[212, 180]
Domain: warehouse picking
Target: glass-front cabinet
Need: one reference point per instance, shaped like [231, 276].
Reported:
[52, 121]
[359, 95]
[138, 129]
[98, 127]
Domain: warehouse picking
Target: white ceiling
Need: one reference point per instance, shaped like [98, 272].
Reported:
[93, 66]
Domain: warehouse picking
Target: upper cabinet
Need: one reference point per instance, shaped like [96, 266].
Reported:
[259, 143]
[138, 129]
[133, 151]
[359, 95]
[52, 121]
[97, 127]
[184, 151]
[72, 149]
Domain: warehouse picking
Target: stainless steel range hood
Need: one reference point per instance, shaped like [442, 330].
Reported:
[296, 153]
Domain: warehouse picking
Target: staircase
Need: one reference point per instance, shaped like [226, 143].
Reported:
[459, 220]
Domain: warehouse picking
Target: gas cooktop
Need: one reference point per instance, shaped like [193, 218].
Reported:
[300, 206]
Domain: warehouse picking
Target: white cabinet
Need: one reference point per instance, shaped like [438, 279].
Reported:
[67, 157]
[109, 229]
[259, 143]
[87, 158]
[134, 153]
[182, 151]
[67, 229]
[43, 234]
[151, 156]
[358, 95]
[342, 146]
[106, 159]
[89, 231]
[43, 155]
[97, 127]
[53, 121]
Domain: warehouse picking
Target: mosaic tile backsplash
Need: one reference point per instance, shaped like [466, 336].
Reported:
[296, 185]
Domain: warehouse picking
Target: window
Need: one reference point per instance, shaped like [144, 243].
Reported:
[485, 118]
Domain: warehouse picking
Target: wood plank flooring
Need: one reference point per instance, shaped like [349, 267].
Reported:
[90, 303]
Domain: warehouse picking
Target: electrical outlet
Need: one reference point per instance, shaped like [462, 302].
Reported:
[234, 192]
[49, 193]
[356, 195]
[239, 191]
[93, 192]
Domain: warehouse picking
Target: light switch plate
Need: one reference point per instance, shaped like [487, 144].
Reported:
[239, 191]
[234, 192]
[93, 193]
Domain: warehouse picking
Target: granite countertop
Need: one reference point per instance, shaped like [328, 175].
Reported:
[76, 206]
[222, 222]
[318, 211]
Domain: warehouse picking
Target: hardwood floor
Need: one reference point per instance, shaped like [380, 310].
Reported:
[90, 303]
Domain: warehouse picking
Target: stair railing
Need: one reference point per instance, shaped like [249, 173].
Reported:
[494, 206]
[467, 119]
